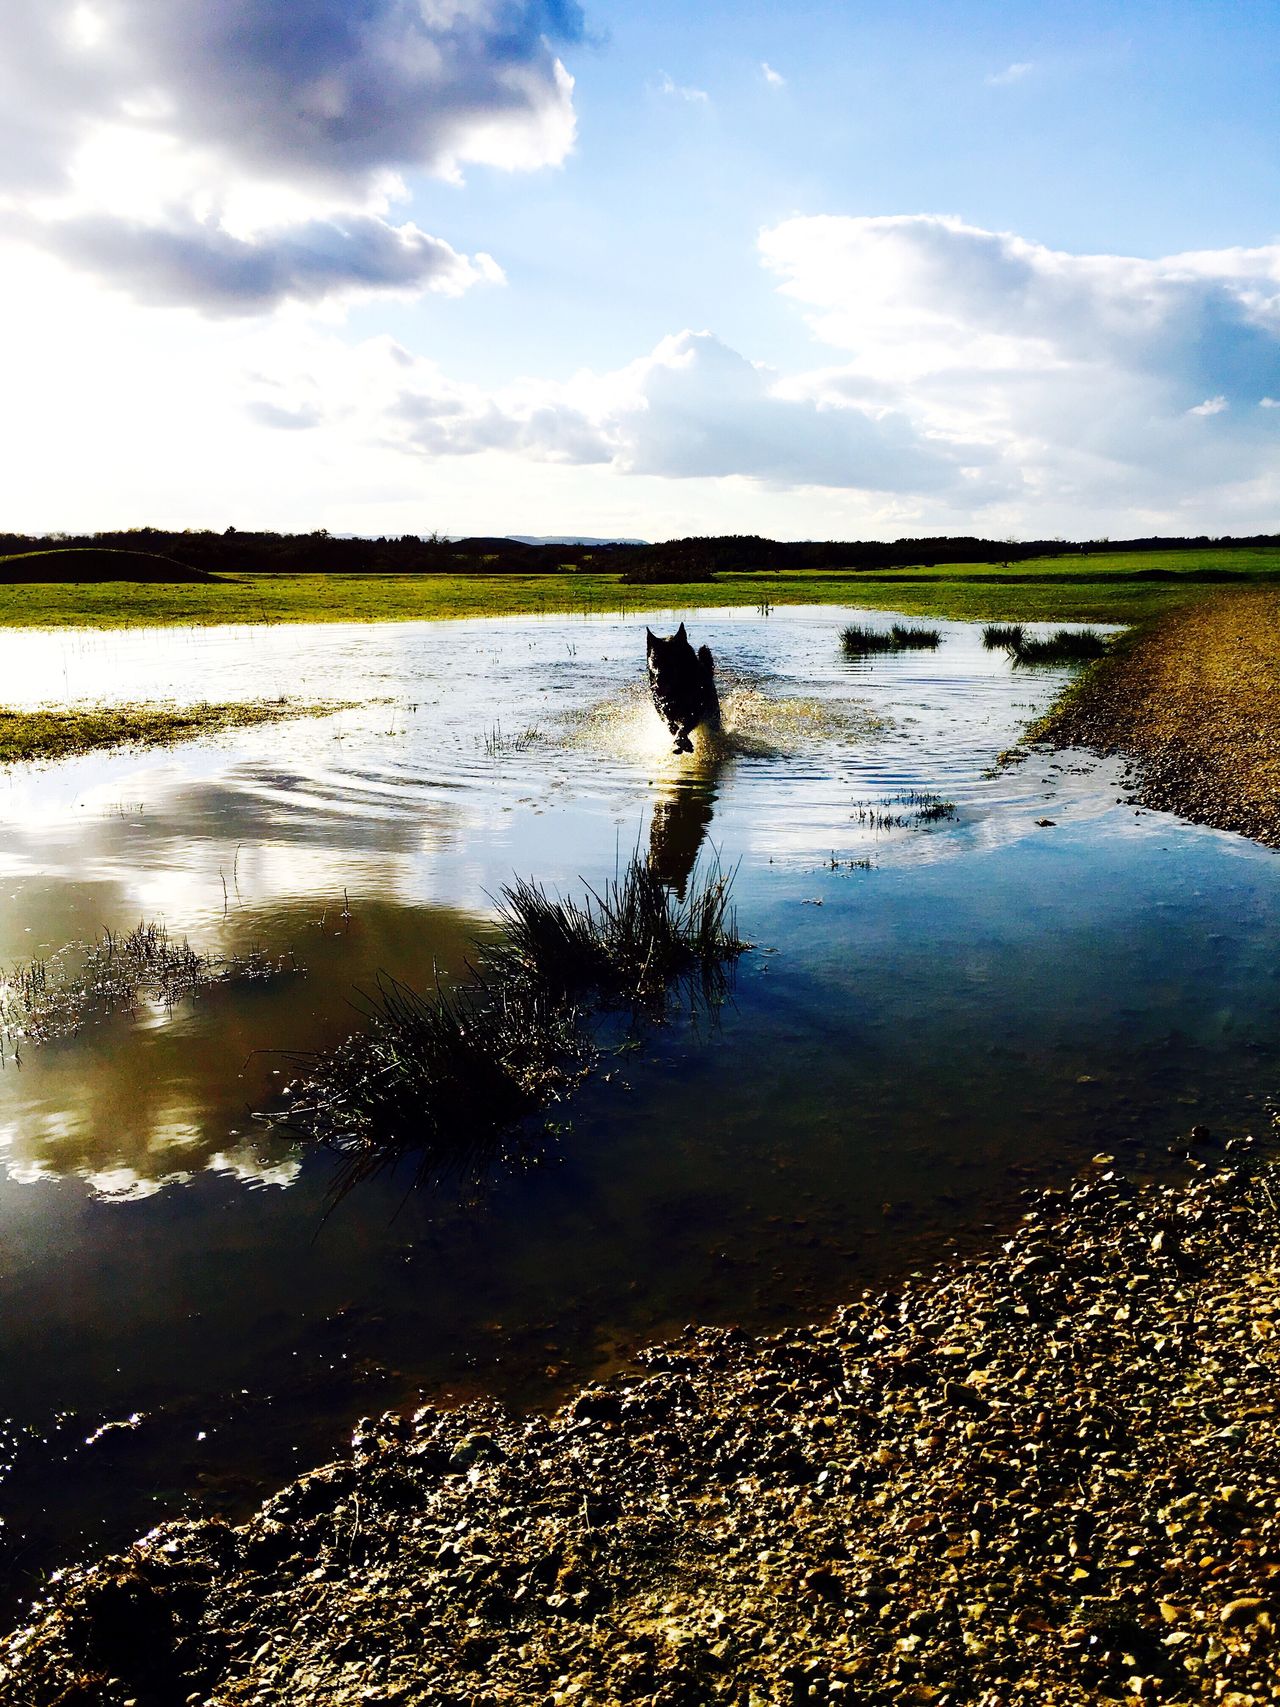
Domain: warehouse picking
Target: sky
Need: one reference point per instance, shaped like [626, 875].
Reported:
[847, 270]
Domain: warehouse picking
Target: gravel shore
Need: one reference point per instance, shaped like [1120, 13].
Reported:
[1050, 1475]
[1194, 698]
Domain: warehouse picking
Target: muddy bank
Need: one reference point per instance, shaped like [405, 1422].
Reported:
[1194, 698]
[1051, 1474]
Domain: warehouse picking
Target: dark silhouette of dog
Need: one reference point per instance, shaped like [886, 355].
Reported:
[678, 828]
[683, 685]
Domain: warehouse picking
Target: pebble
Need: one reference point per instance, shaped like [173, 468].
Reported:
[1050, 1473]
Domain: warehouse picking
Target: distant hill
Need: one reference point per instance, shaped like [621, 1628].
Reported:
[569, 539]
[519, 539]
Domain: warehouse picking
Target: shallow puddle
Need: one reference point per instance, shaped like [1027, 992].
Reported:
[934, 1014]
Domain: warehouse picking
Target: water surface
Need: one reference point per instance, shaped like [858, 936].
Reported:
[933, 1015]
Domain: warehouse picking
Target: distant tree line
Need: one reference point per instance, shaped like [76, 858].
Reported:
[694, 559]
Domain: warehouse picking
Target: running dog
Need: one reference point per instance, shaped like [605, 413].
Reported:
[683, 685]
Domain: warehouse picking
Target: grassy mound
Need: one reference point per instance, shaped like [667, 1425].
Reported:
[444, 1076]
[47, 733]
[98, 563]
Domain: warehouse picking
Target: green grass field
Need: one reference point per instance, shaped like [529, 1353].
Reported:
[1098, 588]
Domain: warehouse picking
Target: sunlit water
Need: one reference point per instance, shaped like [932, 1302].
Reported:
[931, 1017]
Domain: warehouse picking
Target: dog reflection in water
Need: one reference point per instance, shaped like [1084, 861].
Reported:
[683, 685]
[679, 827]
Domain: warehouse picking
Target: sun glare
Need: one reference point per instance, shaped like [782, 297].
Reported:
[86, 26]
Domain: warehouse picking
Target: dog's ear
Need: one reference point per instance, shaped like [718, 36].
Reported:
[650, 639]
[680, 633]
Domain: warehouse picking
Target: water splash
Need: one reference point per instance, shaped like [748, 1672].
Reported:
[755, 724]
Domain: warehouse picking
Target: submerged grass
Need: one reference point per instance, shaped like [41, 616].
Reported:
[49, 733]
[924, 808]
[498, 742]
[39, 1000]
[446, 1076]
[1003, 636]
[929, 808]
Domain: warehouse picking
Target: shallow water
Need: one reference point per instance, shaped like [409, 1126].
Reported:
[932, 1016]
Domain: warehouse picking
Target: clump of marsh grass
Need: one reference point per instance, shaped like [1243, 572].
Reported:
[145, 960]
[118, 973]
[1066, 646]
[859, 641]
[626, 941]
[442, 1076]
[1003, 636]
[446, 1076]
[913, 637]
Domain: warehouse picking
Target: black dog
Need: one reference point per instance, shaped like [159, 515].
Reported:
[683, 685]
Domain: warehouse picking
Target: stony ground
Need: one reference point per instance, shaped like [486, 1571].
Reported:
[1051, 1475]
[1194, 698]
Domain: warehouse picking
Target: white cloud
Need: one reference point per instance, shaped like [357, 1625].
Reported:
[773, 78]
[972, 373]
[306, 429]
[262, 140]
[1012, 73]
[1084, 375]
[973, 381]
[191, 263]
[693, 409]
[681, 92]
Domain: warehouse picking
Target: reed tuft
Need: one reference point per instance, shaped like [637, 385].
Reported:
[1066, 646]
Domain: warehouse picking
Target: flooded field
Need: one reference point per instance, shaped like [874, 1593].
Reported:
[963, 980]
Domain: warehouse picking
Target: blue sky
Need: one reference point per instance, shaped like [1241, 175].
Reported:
[852, 269]
[1135, 130]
